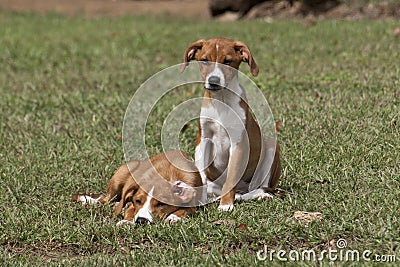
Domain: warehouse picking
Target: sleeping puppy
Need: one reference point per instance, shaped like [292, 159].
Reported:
[166, 186]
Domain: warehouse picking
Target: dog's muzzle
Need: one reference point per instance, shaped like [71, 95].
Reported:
[214, 83]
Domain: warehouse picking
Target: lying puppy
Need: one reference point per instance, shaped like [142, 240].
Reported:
[166, 186]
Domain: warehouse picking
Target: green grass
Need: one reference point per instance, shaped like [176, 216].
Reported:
[65, 83]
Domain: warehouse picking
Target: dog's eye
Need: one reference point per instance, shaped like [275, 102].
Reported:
[227, 61]
[160, 204]
[204, 61]
[138, 202]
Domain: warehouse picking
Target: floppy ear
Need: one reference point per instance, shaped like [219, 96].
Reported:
[190, 53]
[119, 179]
[244, 51]
[130, 192]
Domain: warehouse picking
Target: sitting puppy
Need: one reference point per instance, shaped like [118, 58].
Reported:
[166, 186]
[236, 161]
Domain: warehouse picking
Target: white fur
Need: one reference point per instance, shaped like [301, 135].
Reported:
[85, 200]
[202, 160]
[228, 207]
[223, 126]
[255, 194]
[145, 211]
[172, 218]
[215, 188]
[216, 72]
[262, 174]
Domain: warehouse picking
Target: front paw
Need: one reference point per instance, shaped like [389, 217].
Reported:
[228, 207]
[267, 197]
[172, 218]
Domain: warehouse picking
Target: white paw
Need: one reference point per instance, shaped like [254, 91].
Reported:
[125, 222]
[88, 200]
[266, 196]
[238, 197]
[256, 194]
[228, 207]
[172, 218]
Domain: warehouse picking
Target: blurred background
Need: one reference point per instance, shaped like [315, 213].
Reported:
[220, 9]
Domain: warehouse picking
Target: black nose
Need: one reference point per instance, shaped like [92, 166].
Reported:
[214, 80]
[141, 220]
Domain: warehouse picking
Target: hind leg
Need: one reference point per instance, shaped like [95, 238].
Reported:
[255, 194]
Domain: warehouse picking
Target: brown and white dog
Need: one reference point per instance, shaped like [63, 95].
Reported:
[231, 155]
[166, 186]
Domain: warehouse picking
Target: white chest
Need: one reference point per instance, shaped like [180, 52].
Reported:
[223, 116]
[223, 123]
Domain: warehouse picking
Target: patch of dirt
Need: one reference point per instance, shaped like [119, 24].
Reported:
[48, 251]
[198, 9]
[305, 218]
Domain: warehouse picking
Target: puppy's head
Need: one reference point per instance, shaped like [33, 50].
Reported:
[142, 206]
[219, 60]
[160, 186]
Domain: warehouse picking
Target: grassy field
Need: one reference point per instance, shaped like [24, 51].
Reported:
[65, 83]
